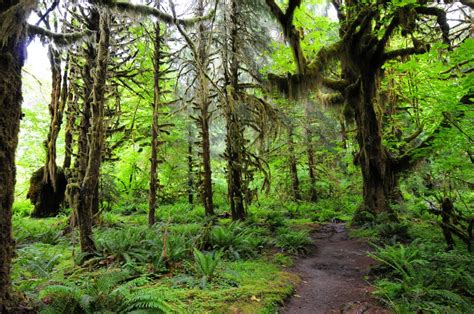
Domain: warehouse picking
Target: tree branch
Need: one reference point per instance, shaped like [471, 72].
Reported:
[140, 9]
[440, 18]
[58, 38]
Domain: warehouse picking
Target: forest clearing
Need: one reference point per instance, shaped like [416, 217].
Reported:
[236, 156]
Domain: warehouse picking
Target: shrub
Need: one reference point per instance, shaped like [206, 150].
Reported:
[206, 264]
[293, 241]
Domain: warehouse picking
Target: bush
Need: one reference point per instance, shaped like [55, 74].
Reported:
[237, 240]
[293, 241]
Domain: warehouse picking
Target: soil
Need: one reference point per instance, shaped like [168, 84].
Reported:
[333, 276]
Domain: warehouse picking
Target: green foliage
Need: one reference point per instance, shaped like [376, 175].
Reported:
[121, 245]
[206, 265]
[237, 240]
[152, 300]
[92, 296]
[45, 230]
[421, 277]
[293, 241]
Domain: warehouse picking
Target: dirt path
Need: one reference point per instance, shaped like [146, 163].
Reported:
[333, 276]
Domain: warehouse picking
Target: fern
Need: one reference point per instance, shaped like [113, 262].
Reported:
[146, 301]
[206, 264]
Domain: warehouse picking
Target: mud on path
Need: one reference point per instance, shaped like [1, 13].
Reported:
[333, 276]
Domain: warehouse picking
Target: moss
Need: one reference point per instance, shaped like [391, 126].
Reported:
[261, 288]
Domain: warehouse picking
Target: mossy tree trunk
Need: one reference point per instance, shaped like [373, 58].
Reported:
[204, 114]
[190, 166]
[12, 58]
[97, 134]
[292, 164]
[309, 134]
[234, 137]
[47, 194]
[157, 61]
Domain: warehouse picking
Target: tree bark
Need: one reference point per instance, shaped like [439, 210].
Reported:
[190, 166]
[378, 176]
[91, 177]
[313, 194]
[204, 115]
[47, 194]
[12, 59]
[234, 136]
[295, 184]
[155, 126]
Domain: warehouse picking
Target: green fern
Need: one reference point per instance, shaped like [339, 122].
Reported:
[147, 301]
[206, 264]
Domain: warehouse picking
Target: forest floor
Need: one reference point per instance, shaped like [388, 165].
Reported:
[333, 275]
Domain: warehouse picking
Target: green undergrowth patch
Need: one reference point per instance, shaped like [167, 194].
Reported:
[255, 286]
[185, 263]
[419, 275]
[48, 230]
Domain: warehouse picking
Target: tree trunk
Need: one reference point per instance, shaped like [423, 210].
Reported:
[313, 195]
[295, 184]
[204, 114]
[378, 176]
[12, 59]
[47, 194]
[91, 177]
[234, 136]
[190, 166]
[155, 127]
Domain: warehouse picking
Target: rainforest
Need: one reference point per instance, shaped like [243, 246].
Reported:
[236, 156]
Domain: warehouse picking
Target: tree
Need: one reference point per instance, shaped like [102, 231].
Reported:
[364, 47]
[48, 184]
[13, 28]
[157, 61]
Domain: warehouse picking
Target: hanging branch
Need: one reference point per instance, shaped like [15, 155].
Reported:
[59, 39]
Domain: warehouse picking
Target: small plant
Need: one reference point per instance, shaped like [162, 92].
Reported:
[90, 297]
[293, 241]
[236, 240]
[147, 301]
[206, 264]
[400, 259]
[120, 246]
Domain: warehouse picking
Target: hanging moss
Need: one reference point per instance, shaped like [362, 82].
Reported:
[46, 201]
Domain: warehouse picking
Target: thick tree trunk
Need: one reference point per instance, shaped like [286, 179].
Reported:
[91, 177]
[295, 184]
[12, 59]
[155, 127]
[378, 177]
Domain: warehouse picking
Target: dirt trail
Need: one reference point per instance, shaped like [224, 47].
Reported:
[333, 276]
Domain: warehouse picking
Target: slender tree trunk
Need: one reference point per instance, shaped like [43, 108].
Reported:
[313, 195]
[234, 137]
[12, 59]
[91, 177]
[204, 114]
[155, 126]
[68, 131]
[295, 184]
[77, 176]
[47, 192]
[190, 166]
